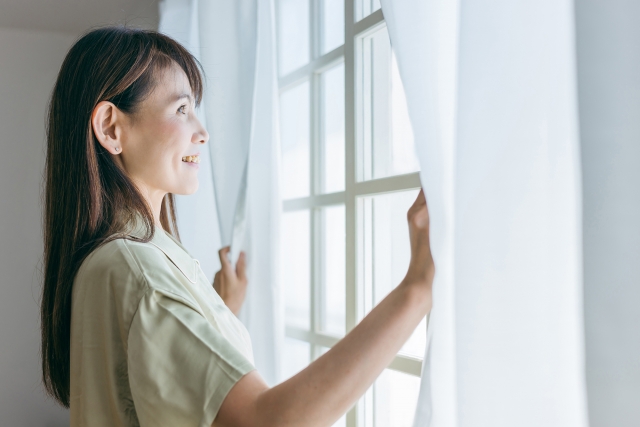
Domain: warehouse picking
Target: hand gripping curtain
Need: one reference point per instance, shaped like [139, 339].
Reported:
[492, 99]
[234, 41]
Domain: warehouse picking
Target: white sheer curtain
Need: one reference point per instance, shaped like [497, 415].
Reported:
[491, 91]
[197, 214]
[608, 38]
[241, 205]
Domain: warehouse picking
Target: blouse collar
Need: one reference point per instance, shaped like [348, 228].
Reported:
[171, 247]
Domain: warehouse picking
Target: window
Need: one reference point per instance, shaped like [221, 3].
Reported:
[349, 176]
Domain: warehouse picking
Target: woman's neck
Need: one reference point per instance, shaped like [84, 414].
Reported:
[154, 198]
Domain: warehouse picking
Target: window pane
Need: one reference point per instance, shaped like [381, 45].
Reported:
[416, 345]
[366, 7]
[333, 24]
[333, 270]
[404, 158]
[384, 254]
[333, 129]
[293, 34]
[395, 399]
[297, 355]
[294, 126]
[295, 271]
[385, 137]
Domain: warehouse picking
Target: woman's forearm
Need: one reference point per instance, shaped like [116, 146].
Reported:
[319, 394]
[328, 387]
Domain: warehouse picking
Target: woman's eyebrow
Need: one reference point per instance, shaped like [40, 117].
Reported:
[182, 96]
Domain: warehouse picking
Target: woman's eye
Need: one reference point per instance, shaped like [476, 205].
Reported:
[182, 109]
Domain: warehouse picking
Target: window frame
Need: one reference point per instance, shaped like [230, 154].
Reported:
[351, 54]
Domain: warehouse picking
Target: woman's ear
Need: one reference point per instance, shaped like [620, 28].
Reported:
[106, 123]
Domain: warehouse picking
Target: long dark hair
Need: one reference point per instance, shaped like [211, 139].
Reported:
[88, 198]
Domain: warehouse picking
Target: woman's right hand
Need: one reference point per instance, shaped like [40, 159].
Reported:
[421, 267]
[230, 283]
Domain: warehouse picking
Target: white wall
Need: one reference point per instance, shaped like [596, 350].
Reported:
[608, 38]
[29, 62]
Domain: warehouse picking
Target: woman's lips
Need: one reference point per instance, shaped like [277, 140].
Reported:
[191, 159]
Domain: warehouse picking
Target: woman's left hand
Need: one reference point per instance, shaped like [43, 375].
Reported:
[231, 284]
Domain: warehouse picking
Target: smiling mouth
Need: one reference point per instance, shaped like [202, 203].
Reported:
[191, 159]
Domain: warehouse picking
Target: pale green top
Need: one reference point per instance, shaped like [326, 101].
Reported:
[152, 343]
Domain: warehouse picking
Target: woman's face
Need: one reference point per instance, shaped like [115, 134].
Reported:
[161, 141]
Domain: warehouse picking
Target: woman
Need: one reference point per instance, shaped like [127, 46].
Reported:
[132, 332]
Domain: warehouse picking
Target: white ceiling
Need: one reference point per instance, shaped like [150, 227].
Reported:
[77, 16]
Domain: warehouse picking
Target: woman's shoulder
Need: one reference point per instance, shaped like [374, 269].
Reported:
[158, 264]
[110, 270]
[123, 255]
[109, 284]
[126, 269]
[104, 260]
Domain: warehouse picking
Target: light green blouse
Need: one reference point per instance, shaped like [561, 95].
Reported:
[152, 343]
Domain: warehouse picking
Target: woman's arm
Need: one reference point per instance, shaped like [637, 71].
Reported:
[321, 393]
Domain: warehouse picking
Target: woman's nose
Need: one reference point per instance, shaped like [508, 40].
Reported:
[202, 134]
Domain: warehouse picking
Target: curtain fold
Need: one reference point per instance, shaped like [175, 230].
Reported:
[239, 181]
[229, 44]
[424, 36]
[263, 310]
[491, 92]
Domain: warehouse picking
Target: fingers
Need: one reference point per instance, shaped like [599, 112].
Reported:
[418, 204]
[420, 200]
[241, 266]
[418, 214]
[216, 282]
[224, 257]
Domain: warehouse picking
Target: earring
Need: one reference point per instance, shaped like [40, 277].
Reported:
[117, 149]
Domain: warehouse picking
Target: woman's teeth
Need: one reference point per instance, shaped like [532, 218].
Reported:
[191, 159]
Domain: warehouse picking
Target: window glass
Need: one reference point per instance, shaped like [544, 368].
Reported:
[391, 401]
[294, 131]
[386, 145]
[395, 399]
[384, 254]
[332, 24]
[365, 8]
[333, 271]
[333, 129]
[296, 357]
[293, 34]
[295, 267]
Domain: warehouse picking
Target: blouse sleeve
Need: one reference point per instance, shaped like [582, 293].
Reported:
[180, 367]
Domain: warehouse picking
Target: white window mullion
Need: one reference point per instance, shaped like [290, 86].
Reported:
[323, 62]
[317, 226]
[364, 115]
[350, 165]
[368, 22]
[350, 179]
[390, 184]
[317, 297]
[314, 170]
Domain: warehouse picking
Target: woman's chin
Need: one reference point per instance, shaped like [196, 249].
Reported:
[187, 190]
